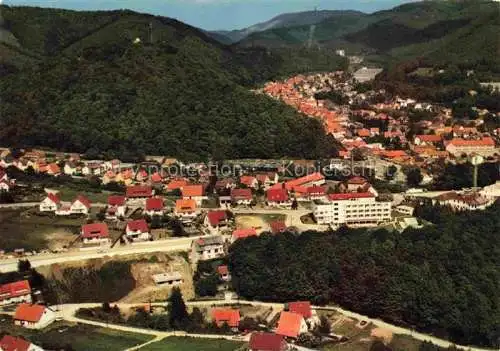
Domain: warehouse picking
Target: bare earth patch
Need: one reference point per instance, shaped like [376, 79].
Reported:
[381, 333]
[59, 239]
[246, 222]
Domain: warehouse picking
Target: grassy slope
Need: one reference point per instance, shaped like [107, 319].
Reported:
[189, 344]
[80, 337]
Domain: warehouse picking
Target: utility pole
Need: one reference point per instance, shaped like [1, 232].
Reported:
[151, 32]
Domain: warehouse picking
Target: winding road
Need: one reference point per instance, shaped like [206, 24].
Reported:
[67, 312]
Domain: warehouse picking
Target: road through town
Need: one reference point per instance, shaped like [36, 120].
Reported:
[168, 245]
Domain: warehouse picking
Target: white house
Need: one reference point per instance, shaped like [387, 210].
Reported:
[278, 198]
[5, 185]
[15, 292]
[95, 233]
[207, 248]
[33, 316]
[69, 168]
[14, 343]
[80, 205]
[291, 325]
[216, 220]
[117, 207]
[154, 206]
[137, 230]
[50, 204]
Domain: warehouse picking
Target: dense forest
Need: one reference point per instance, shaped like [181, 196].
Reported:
[442, 279]
[100, 83]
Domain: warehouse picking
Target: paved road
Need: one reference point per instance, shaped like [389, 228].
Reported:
[68, 311]
[168, 245]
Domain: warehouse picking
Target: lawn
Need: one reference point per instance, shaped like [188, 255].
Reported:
[25, 229]
[272, 217]
[69, 194]
[191, 344]
[80, 337]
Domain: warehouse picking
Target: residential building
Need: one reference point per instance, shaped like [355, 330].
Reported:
[260, 341]
[223, 272]
[243, 233]
[5, 185]
[168, 279]
[185, 210]
[427, 139]
[194, 192]
[50, 204]
[207, 248]
[365, 74]
[14, 343]
[277, 227]
[291, 325]
[310, 193]
[117, 207]
[305, 310]
[15, 292]
[249, 181]
[33, 316]
[154, 206]
[81, 205]
[355, 209]
[458, 147]
[241, 196]
[95, 233]
[229, 316]
[468, 201]
[177, 184]
[278, 198]
[405, 209]
[139, 192]
[137, 230]
[357, 183]
[216, 220]
[309, 180]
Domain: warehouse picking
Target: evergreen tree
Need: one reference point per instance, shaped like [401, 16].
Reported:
[177, 309]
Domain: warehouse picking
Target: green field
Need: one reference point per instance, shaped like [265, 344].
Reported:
[192, 344]
[25, 229]
[80, 337]
[67, 193]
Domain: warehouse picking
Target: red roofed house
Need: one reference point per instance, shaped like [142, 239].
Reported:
[33, 316]
[228, 316]
[176, 184]
[117, 207]
[53, 169]
[50, 204]
[427, 139]
[267, 179]
[484, 146]
[80, 205]
[154, 206]
[95, 233]
[223, 272]
[194, 192]
[137, 230]
[291, 325]
[356, 183]
[185, 210]
[277, 227]
[249, 181]
[14, 343]
[241, 196]
[278, 197]
[267, 342]
[301, 307]
[243, 233]
[310, 193]
[139, 192]
[308, 180]
[15, 292]
[216, 220]
[156, 178]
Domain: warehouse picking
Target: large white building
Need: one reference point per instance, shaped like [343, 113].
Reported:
[353, 209]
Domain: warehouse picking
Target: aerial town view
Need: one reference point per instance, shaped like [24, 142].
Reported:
[250, 175]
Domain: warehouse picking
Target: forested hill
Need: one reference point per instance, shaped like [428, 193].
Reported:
[123, 84]
[443, 32]
[442, 279]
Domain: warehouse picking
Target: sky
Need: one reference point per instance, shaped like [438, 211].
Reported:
[215, 14]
